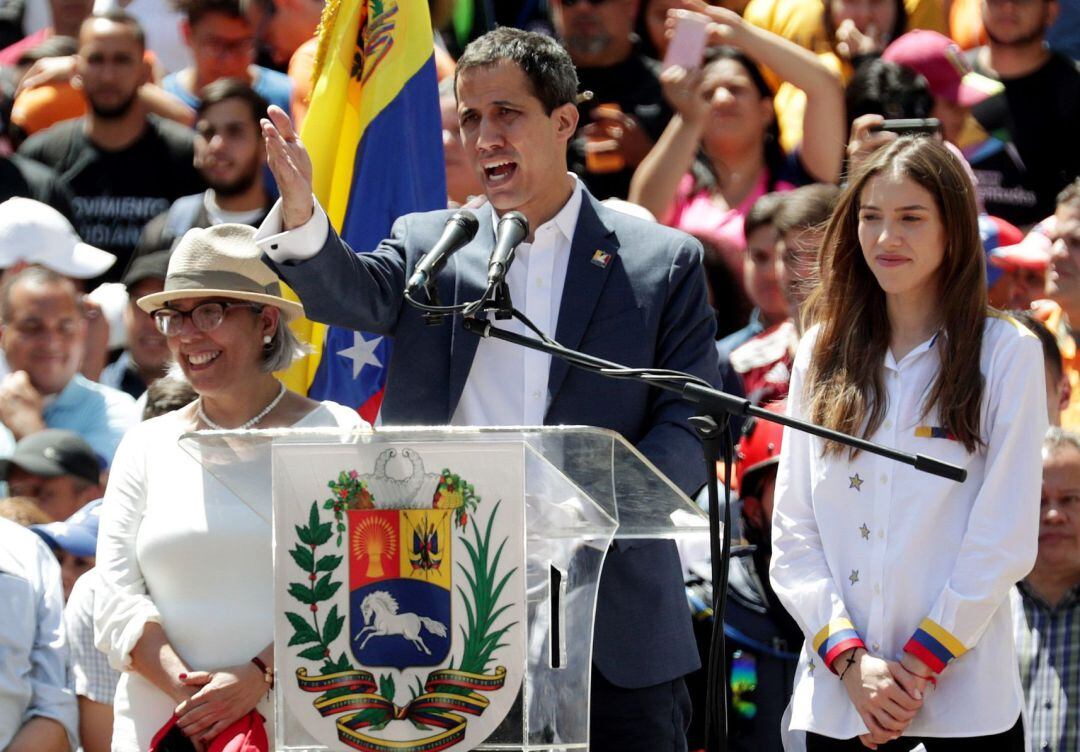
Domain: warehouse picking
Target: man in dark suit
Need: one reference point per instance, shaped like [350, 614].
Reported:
[614, 286]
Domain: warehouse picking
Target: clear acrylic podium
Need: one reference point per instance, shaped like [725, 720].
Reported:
[575, 488]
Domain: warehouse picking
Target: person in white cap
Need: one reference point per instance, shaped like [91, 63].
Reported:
[35, 233]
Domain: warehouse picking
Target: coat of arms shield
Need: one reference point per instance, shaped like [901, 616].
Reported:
[402, 594]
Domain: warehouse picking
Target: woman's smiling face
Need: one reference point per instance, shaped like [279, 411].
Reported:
[231, 352]
[901, 234]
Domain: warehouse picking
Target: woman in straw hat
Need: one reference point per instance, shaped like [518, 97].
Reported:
[188, 616]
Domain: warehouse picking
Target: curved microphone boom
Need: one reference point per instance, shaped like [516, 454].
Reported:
[459, 230]
[513, 228]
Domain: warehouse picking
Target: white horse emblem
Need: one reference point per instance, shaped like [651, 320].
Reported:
[381, 607]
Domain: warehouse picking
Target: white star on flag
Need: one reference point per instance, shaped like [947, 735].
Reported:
[362, 353]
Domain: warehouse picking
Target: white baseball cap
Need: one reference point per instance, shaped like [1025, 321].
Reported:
[36, 233]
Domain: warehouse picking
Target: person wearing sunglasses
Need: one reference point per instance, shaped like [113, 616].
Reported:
[188, 610]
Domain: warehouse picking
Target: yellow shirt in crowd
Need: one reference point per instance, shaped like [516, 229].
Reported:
[801, 22]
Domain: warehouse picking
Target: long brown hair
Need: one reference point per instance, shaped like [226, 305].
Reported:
[844, 383]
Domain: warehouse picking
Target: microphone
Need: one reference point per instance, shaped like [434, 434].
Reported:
[459, 230]
[513, 228]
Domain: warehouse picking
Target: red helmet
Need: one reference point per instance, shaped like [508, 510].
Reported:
[759, 446]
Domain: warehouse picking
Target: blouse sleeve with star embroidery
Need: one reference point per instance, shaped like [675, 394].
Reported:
[799, 571]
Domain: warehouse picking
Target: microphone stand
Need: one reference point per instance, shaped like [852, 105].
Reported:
[717, 442]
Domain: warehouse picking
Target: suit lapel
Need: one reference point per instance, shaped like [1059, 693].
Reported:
[469, 266]
[584, 283]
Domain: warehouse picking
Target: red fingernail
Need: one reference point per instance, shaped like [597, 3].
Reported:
[183, 676]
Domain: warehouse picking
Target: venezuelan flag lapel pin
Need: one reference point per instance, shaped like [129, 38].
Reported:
[601, 259]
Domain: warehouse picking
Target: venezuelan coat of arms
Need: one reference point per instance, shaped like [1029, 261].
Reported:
[400, 593]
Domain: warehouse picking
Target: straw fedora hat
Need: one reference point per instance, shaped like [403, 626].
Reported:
[221, 261]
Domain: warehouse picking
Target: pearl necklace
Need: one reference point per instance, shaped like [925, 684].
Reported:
[266, 411]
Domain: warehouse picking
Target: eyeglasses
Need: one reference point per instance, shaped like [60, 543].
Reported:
[206, 317]
[572, 3]
[220, 47]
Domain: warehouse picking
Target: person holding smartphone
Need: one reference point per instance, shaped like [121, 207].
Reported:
[721, 151]
[897, 578]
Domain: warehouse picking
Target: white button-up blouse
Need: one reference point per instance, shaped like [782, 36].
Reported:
[867, 551]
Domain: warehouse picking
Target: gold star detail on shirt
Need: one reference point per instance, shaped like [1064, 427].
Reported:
[855, 482]
[810, 666]
[854, 576]
[864, 531]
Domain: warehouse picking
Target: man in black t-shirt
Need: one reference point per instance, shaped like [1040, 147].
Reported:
[123, 165]
[26, 178]
[627, 112]
[1029, 149]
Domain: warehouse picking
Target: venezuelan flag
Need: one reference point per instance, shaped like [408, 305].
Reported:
[375, 137]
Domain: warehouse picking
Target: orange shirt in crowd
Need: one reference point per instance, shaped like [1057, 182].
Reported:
[1050, 313]
[301, 71]
[44, 106]
[965, 23]
[800, 21]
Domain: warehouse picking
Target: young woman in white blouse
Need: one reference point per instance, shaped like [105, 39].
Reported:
[897, 577]
[188, 608]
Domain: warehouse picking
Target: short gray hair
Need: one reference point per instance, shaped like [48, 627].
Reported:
[1058, 438]
[282, 350]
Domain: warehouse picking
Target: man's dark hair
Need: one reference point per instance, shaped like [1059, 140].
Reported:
[543, 61]
[1051, 351]
[762, 213]
[807, 207]
[118, 16]
[196, 10]
[1070, 195]
[32, 275]
[218, 91]
[881, 87]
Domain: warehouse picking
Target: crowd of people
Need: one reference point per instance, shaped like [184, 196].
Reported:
[863, 213]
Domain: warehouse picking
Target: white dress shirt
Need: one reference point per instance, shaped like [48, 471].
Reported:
[507, 384]
[33, 652]
[870, 551]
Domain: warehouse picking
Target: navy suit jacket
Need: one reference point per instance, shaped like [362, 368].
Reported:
[646, 308]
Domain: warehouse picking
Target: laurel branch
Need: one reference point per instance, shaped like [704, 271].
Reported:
[320, 587]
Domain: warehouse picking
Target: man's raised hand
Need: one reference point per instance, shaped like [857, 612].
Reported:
[291, 165]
